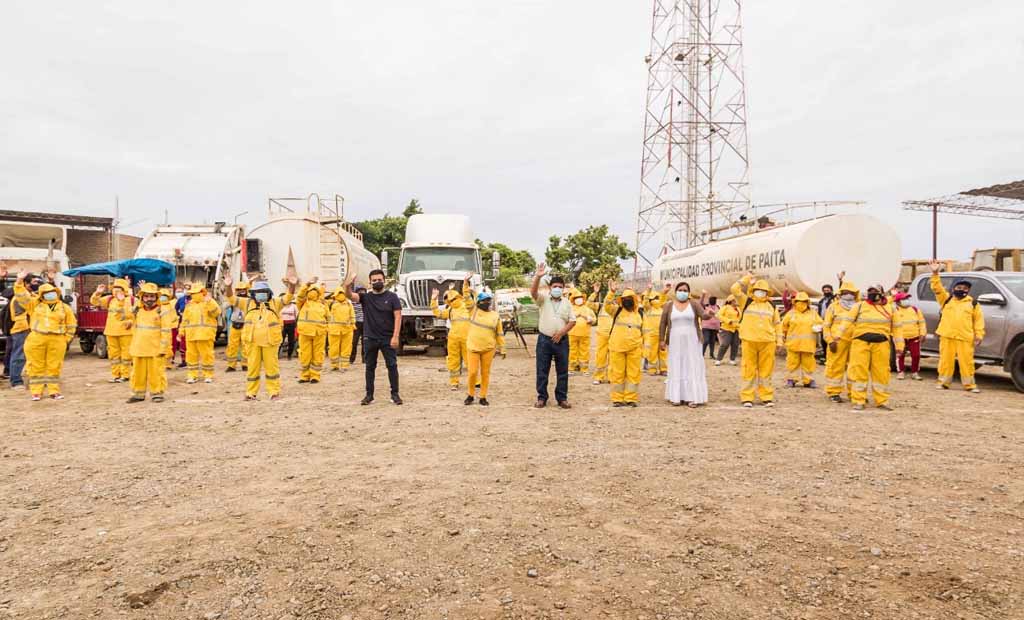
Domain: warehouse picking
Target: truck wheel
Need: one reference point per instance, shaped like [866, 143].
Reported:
[101, 347]
[1017, 367]
[86, 345]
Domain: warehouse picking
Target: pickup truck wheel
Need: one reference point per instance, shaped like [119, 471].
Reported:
[101, 347]
[86, 345]
[1017, 367]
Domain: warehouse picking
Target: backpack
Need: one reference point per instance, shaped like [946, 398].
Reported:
[615, 317]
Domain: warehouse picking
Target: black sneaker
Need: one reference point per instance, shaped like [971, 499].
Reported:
[366, 400]
[230, 369]
[618, 404]
[633, 405]
[836, 399]
[135, 399]
[468, 401]
[314, 380]
[483, 401]
[303, 380]
[395, 398]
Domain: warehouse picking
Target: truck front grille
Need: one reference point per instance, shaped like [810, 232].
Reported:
[421, 290]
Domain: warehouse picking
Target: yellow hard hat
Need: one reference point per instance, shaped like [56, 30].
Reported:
[802, 296]
[242, 286]
[122, 284]
[627, 293]
[848, 287]
[451, 295]
[167, 291]
[196, 287]
[762, 285]
[339, 293]
[149, 287]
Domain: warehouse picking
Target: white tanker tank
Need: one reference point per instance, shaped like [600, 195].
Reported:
[314, 244]
[805, 255]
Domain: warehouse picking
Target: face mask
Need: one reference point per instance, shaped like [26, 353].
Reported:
[164, 299]
[848, 297]
[179, 294]
[960, 293]
[34, 286]
[262, 297]
[484, 305]
[579, 302]
[874, 296]
[556, 293]
[242, 293]
[149, 302]
[377, 286]
[846, 302]
[826, 293]
[50, 297]
[760, 294]
[903, 303]
[682, 295]
[627, 304]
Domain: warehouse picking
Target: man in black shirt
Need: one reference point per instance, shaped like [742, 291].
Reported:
[382, 324]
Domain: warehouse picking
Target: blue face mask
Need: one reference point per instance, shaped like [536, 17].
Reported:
[261, 297]
[51, 296]
[682, 295]
[556, 293]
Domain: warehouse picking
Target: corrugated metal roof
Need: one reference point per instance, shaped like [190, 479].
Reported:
[61, 219]
[1013, 191]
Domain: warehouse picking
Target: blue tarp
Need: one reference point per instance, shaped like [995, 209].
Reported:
[148, 269]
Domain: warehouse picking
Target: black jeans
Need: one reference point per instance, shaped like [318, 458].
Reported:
[288, 339]
[732, 342]
[370, 348]
[548, 349]
[710, 340]
[356, 337]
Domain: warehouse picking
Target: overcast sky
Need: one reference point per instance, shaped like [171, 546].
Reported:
[525, 115]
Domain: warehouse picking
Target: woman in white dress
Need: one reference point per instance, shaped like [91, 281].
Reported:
[680, 333]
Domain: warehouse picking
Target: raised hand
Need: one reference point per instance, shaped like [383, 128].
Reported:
[596, 287]
[542, 269]
[227, 281]
[469, 276]
[611, 286]
[667, 287]
[102, 288]
[433, 294]
[22, 275]
[842, 276]
[935, 266]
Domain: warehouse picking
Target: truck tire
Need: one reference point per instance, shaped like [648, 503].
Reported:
[86, 344]
[1017, 367]
[101, 347]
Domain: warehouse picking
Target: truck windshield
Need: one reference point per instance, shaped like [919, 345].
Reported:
[439, 259]
[1015, 283]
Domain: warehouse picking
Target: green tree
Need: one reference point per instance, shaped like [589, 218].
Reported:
[514, 264]
[388, 233]
[599, 275]
[586, 250]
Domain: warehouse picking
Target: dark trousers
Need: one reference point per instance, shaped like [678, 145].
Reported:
[288, 339]
[548, 349]
[892, 355]
[730, 341]
[914, 348]
[357, 335]
[7, 355]
[710, 340]
[370, 348]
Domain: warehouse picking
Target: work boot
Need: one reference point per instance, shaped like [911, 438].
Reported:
[469, 400]
[768, 404]
[230, 369]
[366, 400]
[314, 380]
[250, 398]
[790, 383]
[207, 380]
[455, 387]
[747, 404]
[564, 404]
[395, 398]
[884, 408]
[811, 385]
[836, 399]
[483, 401]
[190, 381]
[618, 404]
[941, 386]
[974, 390]
[135, 399]
[718, 362]
[858, 407]
[57, 396]
[157, 398]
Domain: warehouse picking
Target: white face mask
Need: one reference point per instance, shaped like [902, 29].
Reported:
[579, 302]
[760, 294]
[846, 302]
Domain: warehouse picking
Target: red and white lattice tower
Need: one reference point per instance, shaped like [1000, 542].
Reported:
[694, 175]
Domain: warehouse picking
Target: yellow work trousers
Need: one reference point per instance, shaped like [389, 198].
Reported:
[952, 351]
[238, 351]
[117, 353]
[800, 367]
[339, 348]
[262, 359]
[148, 373]
[657, 360]
[624, 371]
[579, 353]
[869, 360]
[311, 356]
[479, 362]
[457, 356]
[199, 358]
[44, 360]
[835, 369]
[601, 361]
[758, 364]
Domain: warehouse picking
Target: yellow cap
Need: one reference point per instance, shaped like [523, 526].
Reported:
[802, 296]
[122, 284]
[151, 288]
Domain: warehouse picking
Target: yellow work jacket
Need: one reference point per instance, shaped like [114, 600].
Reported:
[959, 319]
[879, 319]
[798, 330]
[239, 306]
[627, 330]
[652, 314]
[341, 317]
[458, 315]
[604, 320]
[312, 319]
[759, 320]
[151, 337]
[119, 313]
[485, 332]
[263, 324]
[729, 317]
[835, 319]
[19, 308]
[199, 320]
[56, 319]
[585, 319]
[910, 322]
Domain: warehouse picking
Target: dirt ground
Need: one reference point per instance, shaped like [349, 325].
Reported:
[206, 507]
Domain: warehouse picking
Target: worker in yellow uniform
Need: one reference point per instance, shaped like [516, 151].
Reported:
[625, 349]
[873, 323]
[149, 346]
[604, 326]
[341, 324]
[239, 303]
[118, 330]
[199, 322]
[837, 356]
[657, 358]
[579, 335]
[961, 329]
[312, 328]
[484, 338]
[729, 317]
[170, 321]
[800, 329]
[457, 308]
[263, 334]
[53, 326]
[760, 334]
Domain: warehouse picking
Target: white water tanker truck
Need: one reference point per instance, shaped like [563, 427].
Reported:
[804, 255]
